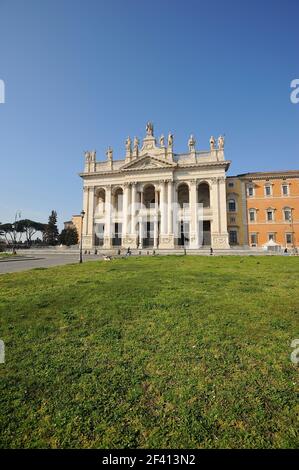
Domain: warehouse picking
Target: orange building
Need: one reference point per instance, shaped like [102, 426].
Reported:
[272, 207]
[75, 222]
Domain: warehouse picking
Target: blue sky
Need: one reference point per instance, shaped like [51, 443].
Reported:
[85, 74]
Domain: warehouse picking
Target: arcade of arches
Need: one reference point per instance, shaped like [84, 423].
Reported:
[155, 197]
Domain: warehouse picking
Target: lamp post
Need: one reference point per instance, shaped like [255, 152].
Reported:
[292, 228]
[14, 228]
[13, 240]
[81, 232]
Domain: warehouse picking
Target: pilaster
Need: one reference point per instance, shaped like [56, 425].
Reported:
[108, 218]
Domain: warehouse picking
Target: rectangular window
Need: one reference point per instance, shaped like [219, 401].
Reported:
[116, 241]
[287, 215]
[270, 216]
[250, 191]
[268, 190]
[253, 239]
[271, 236]
[233, 237]
[285, 190]
[289, 238]
[251, 216]
[232, 205]
[230, 184]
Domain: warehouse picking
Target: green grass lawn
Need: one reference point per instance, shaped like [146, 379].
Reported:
[5, 254]
[151, 352]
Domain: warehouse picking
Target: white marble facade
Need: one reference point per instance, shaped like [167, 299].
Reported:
[155, 197]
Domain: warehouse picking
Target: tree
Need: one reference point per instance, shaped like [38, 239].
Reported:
[69, 236]
[30, 227]
[51, 232]
[12, 232]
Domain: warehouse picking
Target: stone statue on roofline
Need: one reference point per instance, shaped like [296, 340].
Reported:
[128, 144]
[93, 154]
[149, 129]
[212, 142]
[170, 140]
[162, 141]
[109, 154]
[221, 142]
[191, 143]
[136, 143]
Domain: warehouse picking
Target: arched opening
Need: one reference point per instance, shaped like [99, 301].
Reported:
[183, 239]
[100, 201]
[118, 199]
[118, 207]
[206, 233]
[203, 194]
[183, 195]
[149, 196]
[232, 207]
[99, 230]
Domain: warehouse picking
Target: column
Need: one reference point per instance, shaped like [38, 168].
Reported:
[214, 206]
[133, 209]
[219, 227]
[156, 200]
[132, 238]
[193, 215]
[166, 240]
[170, 208]
[88, 221]
[108, 218]
[156, 219]
[222, 208]
[140, 233]
[163, 208]
[125, 213]
[91, 214]
[141, 199]
[155, 232]
[85, 208]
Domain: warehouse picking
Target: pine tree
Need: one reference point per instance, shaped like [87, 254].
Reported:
[68, 236]
[51, 232]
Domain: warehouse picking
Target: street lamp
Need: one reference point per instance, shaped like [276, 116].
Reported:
[13, 240]
[292, 228]
[81, 232]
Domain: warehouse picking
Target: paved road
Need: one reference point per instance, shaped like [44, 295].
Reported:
[23, 263]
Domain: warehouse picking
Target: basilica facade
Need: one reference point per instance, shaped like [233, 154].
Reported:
[154, 197]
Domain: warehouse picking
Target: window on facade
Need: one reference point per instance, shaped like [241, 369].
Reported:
[232, 220]
[287, 214]
[268, 190]
[252, 215]
[232, 205]
[270, 216]
[231, 184]
[289, 238]
[285, 190]
[253, 239]
[233, 237]
[183, 195]
[271, 236]
[250, 191]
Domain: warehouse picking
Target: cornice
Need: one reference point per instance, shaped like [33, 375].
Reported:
[224, 163]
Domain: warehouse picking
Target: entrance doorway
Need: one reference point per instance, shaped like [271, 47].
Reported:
[116, 241]
[148, 239]
[206, 236]
[184, 238]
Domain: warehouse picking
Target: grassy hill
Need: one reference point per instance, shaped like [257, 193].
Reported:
[151, 352]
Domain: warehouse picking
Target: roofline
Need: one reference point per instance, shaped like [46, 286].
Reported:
[120, 171]
[260, 174]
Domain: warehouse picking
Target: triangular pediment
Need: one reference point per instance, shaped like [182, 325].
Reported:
[148, 162]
